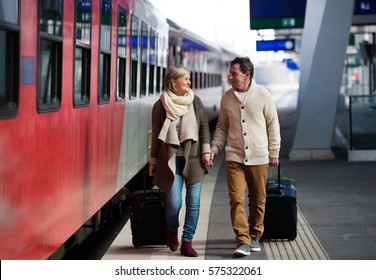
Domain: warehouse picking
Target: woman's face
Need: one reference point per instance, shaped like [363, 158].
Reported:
[182, 85]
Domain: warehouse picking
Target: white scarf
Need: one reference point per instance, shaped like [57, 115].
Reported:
[176, 107]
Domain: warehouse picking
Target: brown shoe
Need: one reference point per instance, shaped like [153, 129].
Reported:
[187, 250]
[172, 239]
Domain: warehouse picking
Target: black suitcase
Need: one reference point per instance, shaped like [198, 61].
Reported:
[280, 221]
[148, 217]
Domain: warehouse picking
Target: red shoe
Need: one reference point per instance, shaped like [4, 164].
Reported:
[187, 250]
[172, 240]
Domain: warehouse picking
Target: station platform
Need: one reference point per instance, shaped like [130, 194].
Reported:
[336, 217]
[336, 209]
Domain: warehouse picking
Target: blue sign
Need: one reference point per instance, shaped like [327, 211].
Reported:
[276, 14]
[365, 7]
[291, 64]
[27, 70]
[277, 8]
[276, 45]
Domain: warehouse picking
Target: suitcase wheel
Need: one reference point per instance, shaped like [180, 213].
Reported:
[293, 237]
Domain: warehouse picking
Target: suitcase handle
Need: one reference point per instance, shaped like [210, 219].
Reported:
[152, 203]
[274, 188]
[279, 173]
[146, 174]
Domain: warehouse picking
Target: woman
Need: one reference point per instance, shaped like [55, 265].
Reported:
[180, 150]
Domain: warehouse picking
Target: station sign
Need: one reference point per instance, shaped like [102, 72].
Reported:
[277, 14]
[276, 45]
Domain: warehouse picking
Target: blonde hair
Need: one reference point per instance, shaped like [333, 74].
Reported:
[174, 73]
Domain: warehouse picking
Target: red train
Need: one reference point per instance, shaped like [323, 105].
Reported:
[78, 79]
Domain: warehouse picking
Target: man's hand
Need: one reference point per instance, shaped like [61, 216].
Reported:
[273, 161]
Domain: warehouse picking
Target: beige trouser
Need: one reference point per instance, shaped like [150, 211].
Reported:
[239, 176]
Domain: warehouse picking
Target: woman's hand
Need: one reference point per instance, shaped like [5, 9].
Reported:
[206, 159]
[151, 169]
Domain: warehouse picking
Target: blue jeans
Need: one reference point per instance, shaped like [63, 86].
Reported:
[175, 201]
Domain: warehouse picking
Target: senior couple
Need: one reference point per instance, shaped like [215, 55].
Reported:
[182, 150]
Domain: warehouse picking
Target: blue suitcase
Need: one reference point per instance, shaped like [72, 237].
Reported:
[280, 220]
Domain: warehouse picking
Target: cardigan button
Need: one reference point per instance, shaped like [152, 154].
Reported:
[245, 133]
[243, 121]
[242, 107]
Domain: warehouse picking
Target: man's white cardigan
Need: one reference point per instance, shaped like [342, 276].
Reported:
[250, 127]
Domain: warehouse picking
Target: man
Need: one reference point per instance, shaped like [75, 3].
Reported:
[248, 124]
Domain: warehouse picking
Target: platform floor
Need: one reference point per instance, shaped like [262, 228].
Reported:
[214, 238]
[336, 217]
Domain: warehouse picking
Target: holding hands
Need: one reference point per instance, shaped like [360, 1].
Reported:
[208, 159]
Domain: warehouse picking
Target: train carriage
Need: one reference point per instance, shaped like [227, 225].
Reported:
[77, 86]
[203, 59]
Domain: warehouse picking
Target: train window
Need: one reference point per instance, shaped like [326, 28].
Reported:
[192, 79]
[191, 75]
[105, 52]
[157, 63]
[50, 55]
[152, 60]
[51, 15]
[82, 64]
[122, 46]
[164, 48]
[134, 58]
[104, 78]
[81, 77]
[9, 55]
[158, 80]
[164, 71]
[105, 37]
[144, 58]
[11, 14]
[83, 21]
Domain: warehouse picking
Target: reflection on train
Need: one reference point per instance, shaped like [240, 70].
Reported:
[76, 91]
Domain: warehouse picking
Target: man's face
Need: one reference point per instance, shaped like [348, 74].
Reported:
[239, 80]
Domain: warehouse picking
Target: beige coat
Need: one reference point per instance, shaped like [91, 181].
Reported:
[161, 153]
[250, 127]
